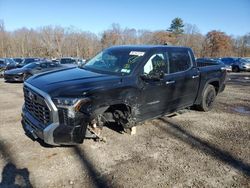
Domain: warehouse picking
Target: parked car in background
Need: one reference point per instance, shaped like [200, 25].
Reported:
[246, 58]
[71, 60]
[227, 67]
[7, 61]
[81, 62]
[18, 59]
[68, 60]
[4, 62]
[23, 63]
[238, 64]
[21, 74]
[55, 60]
[2, 67]
[212, 61]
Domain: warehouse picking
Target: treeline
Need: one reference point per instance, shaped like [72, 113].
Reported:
[57, 41]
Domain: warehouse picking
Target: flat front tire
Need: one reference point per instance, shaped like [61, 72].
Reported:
[208, 98]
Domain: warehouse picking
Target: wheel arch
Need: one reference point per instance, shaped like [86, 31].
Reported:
[215, 82]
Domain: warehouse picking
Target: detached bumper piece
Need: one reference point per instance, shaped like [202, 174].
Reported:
[72, 127]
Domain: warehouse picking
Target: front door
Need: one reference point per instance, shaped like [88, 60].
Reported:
[176, 89]
[153, 92]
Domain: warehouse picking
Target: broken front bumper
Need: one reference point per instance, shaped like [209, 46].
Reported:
[57, 131]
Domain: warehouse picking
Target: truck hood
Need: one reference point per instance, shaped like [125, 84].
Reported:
[72, 82]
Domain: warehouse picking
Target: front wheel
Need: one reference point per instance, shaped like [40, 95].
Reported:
[208, 98]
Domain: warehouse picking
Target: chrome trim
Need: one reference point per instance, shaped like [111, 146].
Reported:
[195, 76]
[49, 130]
[170, 82]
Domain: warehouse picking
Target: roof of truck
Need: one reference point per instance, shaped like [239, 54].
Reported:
[145, 47]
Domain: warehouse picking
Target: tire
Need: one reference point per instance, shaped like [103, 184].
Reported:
[208, 98]
[236, 69]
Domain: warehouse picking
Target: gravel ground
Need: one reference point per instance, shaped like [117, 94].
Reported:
[192, 149]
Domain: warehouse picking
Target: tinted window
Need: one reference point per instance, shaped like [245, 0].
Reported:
[10, 60]
[67, 61]
[31, 65]
[227, 60]
[52, 64]
[43, 65]
[19, 60]
[2, 62]
[179, 60]
[30, 60]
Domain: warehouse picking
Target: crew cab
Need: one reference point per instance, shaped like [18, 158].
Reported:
[122, 84]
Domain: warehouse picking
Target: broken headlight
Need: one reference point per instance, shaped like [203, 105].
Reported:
[70, 109]
[72, 103]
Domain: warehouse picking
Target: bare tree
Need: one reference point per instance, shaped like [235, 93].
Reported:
[192, 38]
[57, 41]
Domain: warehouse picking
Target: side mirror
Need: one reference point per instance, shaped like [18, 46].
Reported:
[39, 68]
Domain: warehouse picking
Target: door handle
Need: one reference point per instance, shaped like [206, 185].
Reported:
[196, 76]
[170, 82]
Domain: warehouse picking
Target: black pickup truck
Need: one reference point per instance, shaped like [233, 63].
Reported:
[124, 85]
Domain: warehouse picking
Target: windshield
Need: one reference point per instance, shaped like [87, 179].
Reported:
[117, 61]
[10, 60]
[31, 65]
[245, 60]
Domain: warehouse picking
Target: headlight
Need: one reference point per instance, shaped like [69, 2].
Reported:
[20, 73]
[73, 103]
[65, 101]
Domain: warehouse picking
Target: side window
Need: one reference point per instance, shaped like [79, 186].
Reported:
[156, 63]
[179, 60]
[29, 61]
[52, 65]
[43, 65]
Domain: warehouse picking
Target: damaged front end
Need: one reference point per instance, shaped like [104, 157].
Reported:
[74, 118]
[59, 121]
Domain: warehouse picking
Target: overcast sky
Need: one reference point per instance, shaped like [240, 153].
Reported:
[230, 16]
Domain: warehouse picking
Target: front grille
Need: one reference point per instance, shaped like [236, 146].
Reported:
[36, 106]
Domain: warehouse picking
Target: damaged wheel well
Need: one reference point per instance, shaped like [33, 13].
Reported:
[121, 114]
[122, 107]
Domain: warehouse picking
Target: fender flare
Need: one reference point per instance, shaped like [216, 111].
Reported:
[200, 94]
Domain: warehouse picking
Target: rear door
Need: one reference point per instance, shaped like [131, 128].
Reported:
[182, 79]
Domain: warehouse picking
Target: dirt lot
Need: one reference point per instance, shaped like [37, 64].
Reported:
[194, 149]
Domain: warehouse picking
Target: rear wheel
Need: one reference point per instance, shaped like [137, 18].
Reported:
[208, 98]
